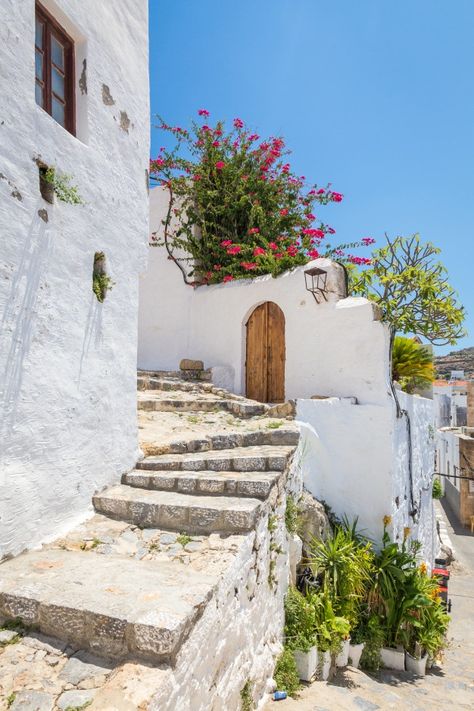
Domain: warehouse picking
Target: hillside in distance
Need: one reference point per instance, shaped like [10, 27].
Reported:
[456, 360]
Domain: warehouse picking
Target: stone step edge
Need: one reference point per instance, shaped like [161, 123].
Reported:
[230, 440]
[205, 483]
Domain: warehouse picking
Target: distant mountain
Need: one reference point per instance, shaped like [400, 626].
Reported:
[456, 360]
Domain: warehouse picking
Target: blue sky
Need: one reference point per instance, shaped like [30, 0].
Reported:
[374, 96]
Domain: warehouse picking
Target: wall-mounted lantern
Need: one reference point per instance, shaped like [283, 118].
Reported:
[316, 283]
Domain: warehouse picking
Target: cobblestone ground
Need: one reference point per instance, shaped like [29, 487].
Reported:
[449, 686]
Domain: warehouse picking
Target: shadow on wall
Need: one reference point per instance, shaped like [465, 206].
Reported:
[18, 320]
[93, 332]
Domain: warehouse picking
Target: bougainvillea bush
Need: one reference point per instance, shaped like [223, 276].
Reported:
[236, 208]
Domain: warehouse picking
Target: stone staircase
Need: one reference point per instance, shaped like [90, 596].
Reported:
[189, 526]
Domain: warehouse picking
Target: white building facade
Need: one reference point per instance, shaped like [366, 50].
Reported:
[78, 79]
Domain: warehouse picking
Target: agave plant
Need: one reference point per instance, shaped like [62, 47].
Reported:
[412, 364]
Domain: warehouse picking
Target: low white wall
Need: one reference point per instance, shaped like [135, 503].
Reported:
[68, 363]
[356, 460]
[332, 348]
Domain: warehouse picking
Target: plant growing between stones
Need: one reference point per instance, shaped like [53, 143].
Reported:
[292, 514]
[437, 490]
[61, 185]
[286, 674]
[101, 281]
[10, 699]
[246, 700]
[183, 539]
[236, 209]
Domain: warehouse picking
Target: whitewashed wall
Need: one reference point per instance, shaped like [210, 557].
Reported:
[67, 363]
[334, 348]
[356, 459]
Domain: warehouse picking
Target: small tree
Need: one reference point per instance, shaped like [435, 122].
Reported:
[412, 364]
[412, 289]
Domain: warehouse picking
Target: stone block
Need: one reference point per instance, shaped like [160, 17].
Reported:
[32, 701]
[188, 364]
[75, 699]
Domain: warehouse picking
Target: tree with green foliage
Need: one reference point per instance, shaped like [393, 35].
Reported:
[412, 364]
[411, 287]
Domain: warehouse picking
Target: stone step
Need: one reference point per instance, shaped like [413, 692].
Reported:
[231, 440]
[172, 384]
[239, 459]
[200, 515]
[193, 375]
[112, 605]
[201, 402]
[205, 483]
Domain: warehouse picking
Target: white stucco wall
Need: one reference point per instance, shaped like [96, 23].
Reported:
[355, 457]
[334, 348]
[68, 363]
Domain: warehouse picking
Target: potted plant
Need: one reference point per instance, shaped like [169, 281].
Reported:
[300, 633]
[356, 646]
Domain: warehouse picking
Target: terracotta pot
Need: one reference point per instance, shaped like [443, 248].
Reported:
[342, 658]
[416, 666]
[306, 663]
[355, 653]
[393, 658]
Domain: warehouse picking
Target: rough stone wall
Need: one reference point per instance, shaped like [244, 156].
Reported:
[470, 403]
[466, 460]
[67, 362]
[240, 633]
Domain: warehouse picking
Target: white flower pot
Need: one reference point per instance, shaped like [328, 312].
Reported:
[355, 653]
[392, 658]
[342, 658]
[416, 666]
[306, 663]
[324, 665]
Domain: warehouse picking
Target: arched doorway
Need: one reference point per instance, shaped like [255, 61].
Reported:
[265, 354]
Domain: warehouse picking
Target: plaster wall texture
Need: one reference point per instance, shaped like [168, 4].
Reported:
[67, 362]
[334, 348]
[355, 457]
[242, 625]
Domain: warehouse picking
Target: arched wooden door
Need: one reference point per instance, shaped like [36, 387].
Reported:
[265, 361]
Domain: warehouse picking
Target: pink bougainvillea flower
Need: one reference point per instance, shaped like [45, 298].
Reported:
[217, 267]
[310, 216]
[238, 123]
[228, 277]
[331, 230]
[206, 128]
[248, 266]
[197, 177]
[203, 112]
[367, 241]
[254, 231]
[321, 191]
[245, 177]
[273, 246]
[254, 137]
[234, 250]
[313, 254]
[216, 144]
[359, 260]
[217, 132]
[313, 232]
[292, 250]
[283, 211]
[226, 243]
[278, 255]
[258, 250]
[336, 197]
[286, 168]
[220, 164]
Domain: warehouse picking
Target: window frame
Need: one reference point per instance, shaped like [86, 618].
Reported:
[52, 28]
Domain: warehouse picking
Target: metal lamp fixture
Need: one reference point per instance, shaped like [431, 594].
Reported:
[316, 280]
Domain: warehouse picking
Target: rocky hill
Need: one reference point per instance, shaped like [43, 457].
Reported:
[456, 360]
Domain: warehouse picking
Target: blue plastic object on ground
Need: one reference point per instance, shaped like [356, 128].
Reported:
[279, 695]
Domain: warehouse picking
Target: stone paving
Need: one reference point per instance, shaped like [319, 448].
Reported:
[448, 686]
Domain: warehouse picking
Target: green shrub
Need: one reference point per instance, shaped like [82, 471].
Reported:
[437, 490]
[286, 674]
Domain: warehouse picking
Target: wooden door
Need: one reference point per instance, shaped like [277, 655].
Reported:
[265, 362]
